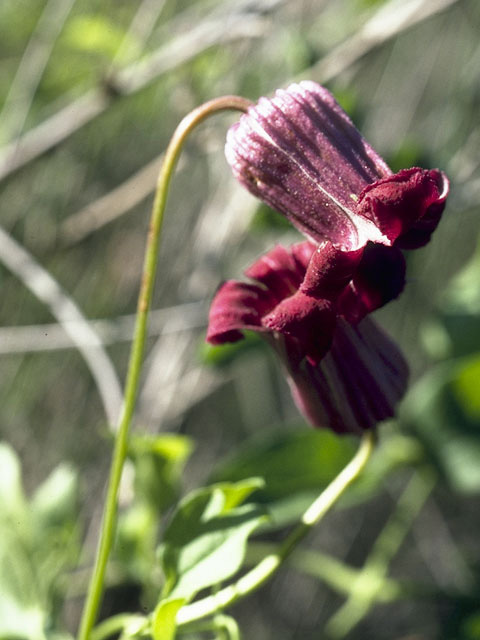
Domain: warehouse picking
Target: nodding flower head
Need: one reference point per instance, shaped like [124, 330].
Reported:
[306, 301]
[301, 154]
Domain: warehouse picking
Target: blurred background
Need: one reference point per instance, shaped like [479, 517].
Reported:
[90, 94]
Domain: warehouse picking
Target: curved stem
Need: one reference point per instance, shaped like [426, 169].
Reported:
[219, 622]
[116, 624]
[269, 565]
[136, 356]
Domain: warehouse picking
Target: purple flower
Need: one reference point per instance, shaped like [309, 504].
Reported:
[344, 375]
[300, 153]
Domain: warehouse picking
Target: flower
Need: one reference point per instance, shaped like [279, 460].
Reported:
[300, 153]
[344, 375]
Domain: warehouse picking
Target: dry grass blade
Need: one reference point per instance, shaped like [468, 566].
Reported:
[389, 21]
[53, 337]
[112, 205]
[39, 281]
[31, 68]
[71, 118]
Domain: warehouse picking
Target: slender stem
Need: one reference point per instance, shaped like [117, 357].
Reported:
[136, 356]
[219, 622]
[116, 624]
[257, 576]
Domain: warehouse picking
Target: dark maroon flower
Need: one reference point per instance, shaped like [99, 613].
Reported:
[344, 375]
[300, 153]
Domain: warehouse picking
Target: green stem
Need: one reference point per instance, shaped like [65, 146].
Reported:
[257, 576]
[116, 624]
[219, 622]
[172, 153]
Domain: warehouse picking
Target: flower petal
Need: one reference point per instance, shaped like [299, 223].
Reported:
[379, 278]
[329, 271]
[236, 306]
[282, 270]
[300, 153]
[311, 322]
[358, 383]
[406, 206]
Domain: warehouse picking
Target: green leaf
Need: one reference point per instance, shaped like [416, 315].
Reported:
[463, 293]
[136, 542]
[21, 607]
[32, 553]
[267, 219]
[295, 466]
[55, 502]
[466, 386]
[205, 542]
[12, 499]
[443, 409]
[159, 462]
[224, 354]
[163, 623]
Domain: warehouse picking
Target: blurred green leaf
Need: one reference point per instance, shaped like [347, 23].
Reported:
[443, 409]
[136, 540]
[408, 154]
[267, 219]
[12, 500]
[205, 542]
[163, 623]
[463, 292]
[471, 627]
[37, 541]
[21, 610]
[55, 502]
[94, 34]
[295, 466]
[466, 386]
[159, 462]
[224, 354]
[288, 461]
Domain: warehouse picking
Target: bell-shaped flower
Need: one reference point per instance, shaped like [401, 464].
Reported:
[300, 153]
[344, 375]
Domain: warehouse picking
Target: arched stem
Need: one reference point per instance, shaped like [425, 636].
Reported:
[96, 586]
[265, 569]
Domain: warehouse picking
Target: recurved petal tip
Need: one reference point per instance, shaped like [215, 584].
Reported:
[406, 206]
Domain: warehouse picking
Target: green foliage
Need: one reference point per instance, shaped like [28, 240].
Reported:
[471, 627]
[163, 624]
[288, 461]
[295, 466]
[38, 540]
[94, 34]
[225, 354]
[204, 544]
[48, 400]
[158, 463]
[443, 410]
[267, 219]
